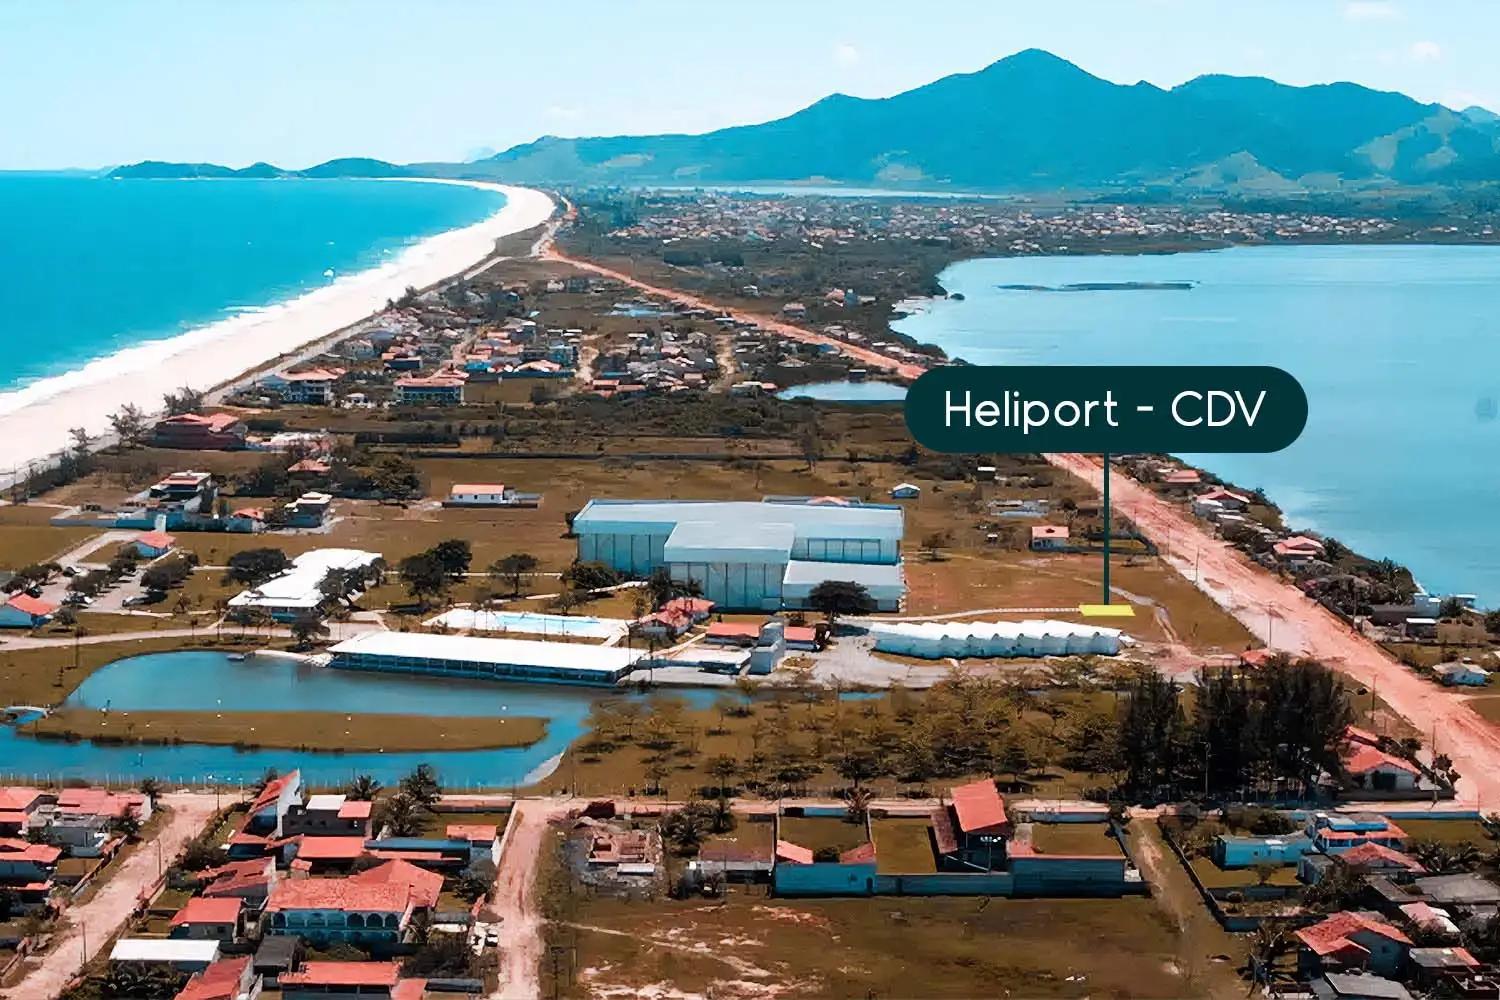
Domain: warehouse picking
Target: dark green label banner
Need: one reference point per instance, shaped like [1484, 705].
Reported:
[1119, 409]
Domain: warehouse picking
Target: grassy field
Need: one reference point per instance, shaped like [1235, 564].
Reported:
[822, 832]
[1234, 878]
[1447, 831]
[1073, 838]
[294, 730]
[27, 538]
[903, 846]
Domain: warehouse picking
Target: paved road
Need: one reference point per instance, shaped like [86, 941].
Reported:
[1286, 619]
[873, 359]
[97, 920]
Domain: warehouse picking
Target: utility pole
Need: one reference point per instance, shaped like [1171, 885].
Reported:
[1107, 531]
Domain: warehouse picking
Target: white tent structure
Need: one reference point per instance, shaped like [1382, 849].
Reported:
[937, 640]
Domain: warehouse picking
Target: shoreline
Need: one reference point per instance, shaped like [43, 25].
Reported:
[35, 419]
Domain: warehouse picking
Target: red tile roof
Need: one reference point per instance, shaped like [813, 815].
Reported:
[220, 981]
[978, 806]
[330, 848]
[273, 790]
[100, 802]
[156, 539]
[1363, 759]
[792, 853]
[1050, 531]
[1332, 936]
[734, 630]
[344, 974]
[18, 798]
[1378, 855]
[497, 488]
[344, 894]
[207, 910]
[801, 633]
[356, 809]
[12, 849]
[425, 886]
[474, 833]
[28, 605]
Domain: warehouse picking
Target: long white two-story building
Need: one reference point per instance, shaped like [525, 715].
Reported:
[760, 556]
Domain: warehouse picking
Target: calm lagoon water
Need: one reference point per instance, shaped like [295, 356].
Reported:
[846, 392]
[206, 680]
[1397, 347]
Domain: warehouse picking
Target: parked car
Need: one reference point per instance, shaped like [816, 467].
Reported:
[136, 601]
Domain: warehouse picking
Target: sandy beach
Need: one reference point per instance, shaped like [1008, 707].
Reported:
[35, 420]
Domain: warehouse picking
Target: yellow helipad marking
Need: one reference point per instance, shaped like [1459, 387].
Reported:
[1106, 610]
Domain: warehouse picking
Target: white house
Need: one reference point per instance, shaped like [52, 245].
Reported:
[905, 491]
[477, 495]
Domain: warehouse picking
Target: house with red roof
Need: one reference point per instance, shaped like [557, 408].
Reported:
[1181, 480]
[972, 830]
[1221, 499]
[1298, 549]
[18, 807]
[1335, 833]
[226, 979]
[250, 880]
[326, 910]
[1363, 859]
[426, 886]
[329, 816]
[272, 803]
[1348, 941]
[210, 432]
[321, 855]
[24, 611]
[204, 918]
[153, 544]
[22, 862]
[483, 841]
[323, 980]
[1372, 768]
[697, 608]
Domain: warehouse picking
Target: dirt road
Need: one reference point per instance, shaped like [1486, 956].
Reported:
[515, 901]
[1286, 619]
[97, 920]
[873, 359]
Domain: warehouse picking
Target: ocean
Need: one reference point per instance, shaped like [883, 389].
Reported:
[92, 266]
[1398, 348]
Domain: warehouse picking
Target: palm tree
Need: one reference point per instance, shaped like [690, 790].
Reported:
[363, 788]
[402, 816]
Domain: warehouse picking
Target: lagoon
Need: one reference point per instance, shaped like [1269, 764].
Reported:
[203, 680]
[1397, 347]
[846, 392]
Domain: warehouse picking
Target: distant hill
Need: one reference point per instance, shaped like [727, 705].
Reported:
[1030, 121]
[346, 167]
[1035, 121]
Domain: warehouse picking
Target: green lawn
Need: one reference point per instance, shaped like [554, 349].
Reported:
[903, 846]
[1073, 838]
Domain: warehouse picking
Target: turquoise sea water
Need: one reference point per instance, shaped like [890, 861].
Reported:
[91, 266]
[1397, 347]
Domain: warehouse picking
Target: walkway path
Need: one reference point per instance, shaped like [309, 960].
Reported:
[88, 926]
[1287, 619]
[515, 902]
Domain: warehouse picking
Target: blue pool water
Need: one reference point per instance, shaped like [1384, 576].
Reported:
[1398, 348]
[206, 680]
[92, 265]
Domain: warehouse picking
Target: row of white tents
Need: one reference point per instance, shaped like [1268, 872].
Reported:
[934, 640]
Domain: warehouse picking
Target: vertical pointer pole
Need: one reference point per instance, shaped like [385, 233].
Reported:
[1107, 529]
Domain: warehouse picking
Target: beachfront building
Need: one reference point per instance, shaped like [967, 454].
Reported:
[313, 386]
[441, 389]
[214, 431]
[488, 659]
[751, 555]
[295, 594]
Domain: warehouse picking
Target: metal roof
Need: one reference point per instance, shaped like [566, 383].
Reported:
[499, 652]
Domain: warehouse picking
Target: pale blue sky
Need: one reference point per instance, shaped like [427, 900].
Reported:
[94, 83]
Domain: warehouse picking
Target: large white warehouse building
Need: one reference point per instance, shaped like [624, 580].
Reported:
[759, 556]
[937, 640]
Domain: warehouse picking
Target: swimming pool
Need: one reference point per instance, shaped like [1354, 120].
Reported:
[532, 623]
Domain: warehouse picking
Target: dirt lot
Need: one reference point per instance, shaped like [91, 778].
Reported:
[885, 947]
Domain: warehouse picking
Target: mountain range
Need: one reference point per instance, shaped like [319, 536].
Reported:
[1030, 121]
